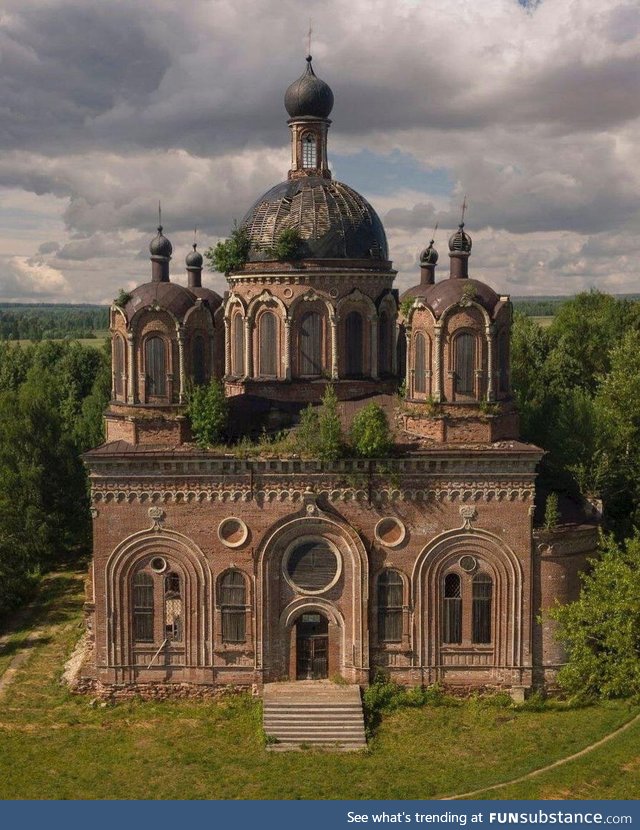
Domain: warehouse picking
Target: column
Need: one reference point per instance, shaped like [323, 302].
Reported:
[131, 361]
[287, 349]
[334, 348]
[490, 372]
[374, 348]
[181, 378]
[437, 365]
[408, 377]
[394, 347]
[248, 348]
[227, 347]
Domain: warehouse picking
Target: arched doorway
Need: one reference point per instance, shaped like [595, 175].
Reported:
[312, 646]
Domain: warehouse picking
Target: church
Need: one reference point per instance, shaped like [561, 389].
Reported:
[211, 569]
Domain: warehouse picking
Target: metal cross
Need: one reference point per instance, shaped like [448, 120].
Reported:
[309, 33]
[464, 207]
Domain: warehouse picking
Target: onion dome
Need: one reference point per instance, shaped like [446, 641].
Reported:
[308, 96]
[194, 258]
[167, 296]
[160, 245]
[429, 256]
[334, 222]
[460, 242]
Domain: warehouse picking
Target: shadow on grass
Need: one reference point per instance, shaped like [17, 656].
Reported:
[57, 599]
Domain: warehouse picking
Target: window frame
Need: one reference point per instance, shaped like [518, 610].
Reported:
[390, 615]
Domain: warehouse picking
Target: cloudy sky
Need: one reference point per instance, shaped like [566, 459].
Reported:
[532, 109]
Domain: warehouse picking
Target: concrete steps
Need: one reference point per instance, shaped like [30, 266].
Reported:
[313, 713]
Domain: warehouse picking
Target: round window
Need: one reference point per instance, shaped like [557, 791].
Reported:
[158, 564]
[312, 565]
[468, 563]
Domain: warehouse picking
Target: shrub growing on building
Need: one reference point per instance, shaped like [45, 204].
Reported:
[208, 412]
[331, 442]
[230, 254]
[370, 434]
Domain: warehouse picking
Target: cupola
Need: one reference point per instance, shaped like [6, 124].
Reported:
[459, 250]
[160, 249]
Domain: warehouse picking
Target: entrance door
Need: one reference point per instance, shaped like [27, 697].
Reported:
[312, 647]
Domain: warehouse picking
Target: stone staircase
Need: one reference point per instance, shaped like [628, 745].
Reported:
[313, 713]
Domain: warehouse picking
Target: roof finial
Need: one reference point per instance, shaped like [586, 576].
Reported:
[159, 217]
[464, 207]
[433, 235]
[195, 238]
[309, 33]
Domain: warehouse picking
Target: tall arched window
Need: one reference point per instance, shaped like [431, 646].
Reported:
[309, 151]
[268, 328]
[199, 369]
[389, 607]
[354, 344]
[232, 601]
[237, 345]
[384, 343]
[173, 617]
[118, 366]
[310, 333]
[482, 591]
[142, 602]
[154, 358]
[465, 363]
[452, 610]
[420, 364]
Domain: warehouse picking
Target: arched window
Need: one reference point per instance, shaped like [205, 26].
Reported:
[420, 364]
[503, 361]
[452, 610]
[142, 608]
[154, 359]
[118, 366]
[465, 363]
[354, 344]
[173, 607]
[199, 370]
[481, 609]
[232, 601]
[237, 346]
[311, 344]
[384, 343]
[309, 151]
[268, 328]
[389, 607]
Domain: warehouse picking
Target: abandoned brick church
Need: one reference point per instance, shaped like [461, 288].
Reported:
[212, 569]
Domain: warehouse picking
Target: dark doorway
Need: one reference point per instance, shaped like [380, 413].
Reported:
[312, 647]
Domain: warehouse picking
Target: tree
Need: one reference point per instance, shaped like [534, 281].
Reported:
[331, 441]
[289, 245]
[307, 433]
[601, 630]
[370, 434]
[230, 254]
[208, 411]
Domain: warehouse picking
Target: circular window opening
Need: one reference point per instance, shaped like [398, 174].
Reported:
[158, 564]
[390, 532]
[468, 563]
[312, 566]
[232, 532]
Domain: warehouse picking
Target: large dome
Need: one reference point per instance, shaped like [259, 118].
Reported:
[333, 220]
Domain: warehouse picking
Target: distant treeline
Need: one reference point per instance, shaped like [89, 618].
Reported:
[549, 306]
[51, 322]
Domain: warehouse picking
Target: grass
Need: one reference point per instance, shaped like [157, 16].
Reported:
[56, 745]
[97, 342]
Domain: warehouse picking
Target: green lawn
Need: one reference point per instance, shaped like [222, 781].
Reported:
[56, 745]
[97, 341]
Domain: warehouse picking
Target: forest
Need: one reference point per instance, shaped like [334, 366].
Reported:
[577, 386]
[22, 321]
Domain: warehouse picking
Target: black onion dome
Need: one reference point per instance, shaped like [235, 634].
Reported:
[160, 245]
[308, 96]
[194, 258]
[334, 222]
[460, 241]
[429, 256]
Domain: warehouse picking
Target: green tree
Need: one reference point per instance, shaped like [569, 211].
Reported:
[307, 433]
[230, 254]
[289, 245]
[370, 434]
[208, 412]
[601, 630]
[330, 429]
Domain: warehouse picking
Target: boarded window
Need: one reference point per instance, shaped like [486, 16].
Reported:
[311, 344]
[389, 607]
[384, 344]
[354, 344]
[154, 357]
[312, 565]
[309, 151]
[199, 366]
[237, 346]
[420, 364]
[268, 345]
[118, 366]
[143, 608]
[465, 363]
[481, 609]
[452, 607]
[173, 607]
[232, 601]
